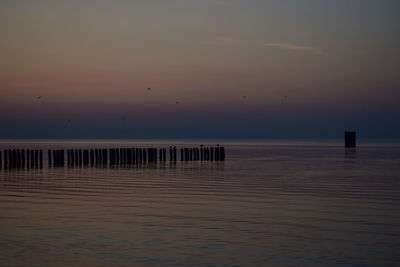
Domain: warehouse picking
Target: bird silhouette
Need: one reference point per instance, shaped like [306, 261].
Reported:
[148, 89]
[244, 97]
[177, 102]
[39, 97]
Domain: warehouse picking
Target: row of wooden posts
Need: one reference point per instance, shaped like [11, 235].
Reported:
[20, 158]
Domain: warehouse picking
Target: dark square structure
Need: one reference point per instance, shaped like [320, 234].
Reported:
[350, 139]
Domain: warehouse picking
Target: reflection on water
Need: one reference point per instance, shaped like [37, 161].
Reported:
[265, 205]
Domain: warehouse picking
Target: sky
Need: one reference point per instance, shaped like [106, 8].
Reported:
[215, 68]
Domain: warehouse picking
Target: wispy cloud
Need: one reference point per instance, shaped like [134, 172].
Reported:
[225, 3]
[315, 50]
[224, 40]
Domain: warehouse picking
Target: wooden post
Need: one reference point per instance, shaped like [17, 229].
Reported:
[49, 158]
[144, 155]
[129, 156]
[105, 157]
[186, 154]
[222, 153]
[36, 158]
[1, 160]
[140, 153]
[40, 159]
[134, 155]
[80, 157]
[85, 157]
[32, 159]
[175, 154]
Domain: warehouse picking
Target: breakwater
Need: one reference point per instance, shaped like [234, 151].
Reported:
[106, 157]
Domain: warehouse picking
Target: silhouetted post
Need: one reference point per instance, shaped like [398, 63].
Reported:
[129, 156]
[18, 158]
[165, 154]
[182, 154]
[175, 156]
[217, 157]
[32, 159]
[1, 160]
[138, 155]
[85, 157]
[222, 153]
[134, 156]
[149, 153]
[14, 158]
[80, 157]
[73, 160]
[55, 158]
[186, 154]
[49, 158]
[22, 158]
[105, 157]
[112, 158]
[91, 158]
[76, 158]
[36, 158]
[201, 153]
[144, 156]
[40, 159]
[350, 139]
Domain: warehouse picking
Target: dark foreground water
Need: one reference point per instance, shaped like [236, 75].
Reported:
[292, 204]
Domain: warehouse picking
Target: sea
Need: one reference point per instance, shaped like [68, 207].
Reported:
[270, 203]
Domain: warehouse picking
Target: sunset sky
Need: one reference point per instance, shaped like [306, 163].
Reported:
[216, 68]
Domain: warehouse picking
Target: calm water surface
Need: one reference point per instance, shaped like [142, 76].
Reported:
[293, 204]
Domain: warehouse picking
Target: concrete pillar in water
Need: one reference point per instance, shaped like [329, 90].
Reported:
[350, 139]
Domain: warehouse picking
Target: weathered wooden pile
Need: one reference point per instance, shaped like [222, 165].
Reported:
[21, 158]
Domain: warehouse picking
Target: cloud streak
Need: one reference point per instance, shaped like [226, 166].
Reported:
[225, 3]
[224, 40]
[315, 50]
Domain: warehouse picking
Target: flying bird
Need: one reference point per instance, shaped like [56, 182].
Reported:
[39, 97]
[148, 89]
[244, 97]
